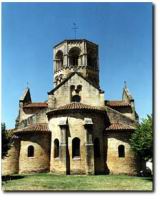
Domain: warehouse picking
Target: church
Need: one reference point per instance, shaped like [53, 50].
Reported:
[76, 131]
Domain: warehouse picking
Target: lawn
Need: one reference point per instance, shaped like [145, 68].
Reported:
[50, 182]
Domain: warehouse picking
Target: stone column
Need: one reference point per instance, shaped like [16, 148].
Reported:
[84, 60]
[65, 55]
[65, 60]
[89, 146]
[63, 145]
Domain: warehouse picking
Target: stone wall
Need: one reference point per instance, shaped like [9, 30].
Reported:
[39, 117]
[89, 94]
[10, 164]
[38, 114]
[41, 159]
[116, 164]
[22, 114]
[77, 165]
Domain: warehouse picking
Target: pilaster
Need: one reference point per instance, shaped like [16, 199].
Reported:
[63, 145]
[88, 124]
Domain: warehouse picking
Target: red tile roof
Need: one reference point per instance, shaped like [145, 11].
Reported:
[116, 103]
[78, 106]
[118, 126]
[36, 105]
[41, 127]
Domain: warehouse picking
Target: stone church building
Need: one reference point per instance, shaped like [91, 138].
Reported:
[75, 131]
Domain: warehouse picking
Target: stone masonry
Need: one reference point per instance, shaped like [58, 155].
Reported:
[75, 131]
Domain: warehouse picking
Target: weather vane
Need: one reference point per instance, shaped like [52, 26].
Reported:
[75, 27]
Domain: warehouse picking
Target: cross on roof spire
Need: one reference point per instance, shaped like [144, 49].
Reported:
[125, 84]
[27, 84]
[75, 27]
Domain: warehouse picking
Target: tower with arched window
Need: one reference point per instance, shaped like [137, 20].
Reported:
[76, 55]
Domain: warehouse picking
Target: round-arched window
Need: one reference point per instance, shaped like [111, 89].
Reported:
[76, 147]
[56, 148]
[121, 151]
[59, 60]
[30, 152]
[74, 54]
[76, 98]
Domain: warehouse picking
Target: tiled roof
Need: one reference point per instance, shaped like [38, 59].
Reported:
[118, 126]
[41, 127]
[78, 106]
[116, 103]
[36, 105]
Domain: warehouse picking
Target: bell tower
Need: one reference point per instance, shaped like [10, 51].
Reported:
[78, 55]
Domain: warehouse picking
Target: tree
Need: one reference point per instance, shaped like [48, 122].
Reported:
[142, 139]
[6, 140]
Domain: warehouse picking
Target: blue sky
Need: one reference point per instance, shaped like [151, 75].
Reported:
[123, 32]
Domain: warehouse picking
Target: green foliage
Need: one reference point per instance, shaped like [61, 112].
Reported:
[142, 139]
[6, 140]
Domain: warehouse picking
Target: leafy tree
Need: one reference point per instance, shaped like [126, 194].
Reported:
[6, 140]
[142, 139]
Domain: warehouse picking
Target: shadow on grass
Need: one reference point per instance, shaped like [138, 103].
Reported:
[11, 177]
[149, 178]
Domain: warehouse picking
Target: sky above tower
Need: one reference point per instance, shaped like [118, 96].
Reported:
[123, 32]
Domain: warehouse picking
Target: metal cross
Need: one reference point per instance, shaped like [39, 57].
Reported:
[75, 27]
[125, 84]
[27, 84]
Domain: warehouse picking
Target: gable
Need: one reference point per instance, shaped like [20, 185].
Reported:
[26, 97]
[89, 94]
[68, 78]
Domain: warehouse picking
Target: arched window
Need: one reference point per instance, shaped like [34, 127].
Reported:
[56, 148]
[96, 148]
[76, 98]
[74, 56]
[30, 151]
[79, 88]
[76, 147]
[72, 87]
[121, 151]
[59, 60]
[75, 90]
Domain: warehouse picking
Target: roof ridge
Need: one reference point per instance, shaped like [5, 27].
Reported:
[38, 102]
[79, 103]
[35, 104]
[77, 106]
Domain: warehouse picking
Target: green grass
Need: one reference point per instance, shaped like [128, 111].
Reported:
[50, 182]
